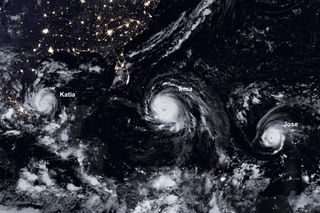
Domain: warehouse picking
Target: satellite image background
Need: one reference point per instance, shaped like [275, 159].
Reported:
[159, 106]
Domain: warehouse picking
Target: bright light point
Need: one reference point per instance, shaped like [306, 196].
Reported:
[109, 33]
[165, 108]
[45, 31]
[83, 1]
[273, 137]
[21, 109]
[147, 3]
[51, 50]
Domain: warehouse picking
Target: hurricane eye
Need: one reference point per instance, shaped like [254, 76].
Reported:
[165, 108]
[271, 121]
[173, 121]
[43, 101]
[273, 137]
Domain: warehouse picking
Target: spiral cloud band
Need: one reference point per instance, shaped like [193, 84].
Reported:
[43, 101]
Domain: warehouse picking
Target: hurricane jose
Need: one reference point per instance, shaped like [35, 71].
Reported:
[273, 137]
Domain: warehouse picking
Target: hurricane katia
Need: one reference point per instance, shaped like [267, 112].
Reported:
[43, 101]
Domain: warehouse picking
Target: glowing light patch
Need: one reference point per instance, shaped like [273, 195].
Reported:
[273, 137]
